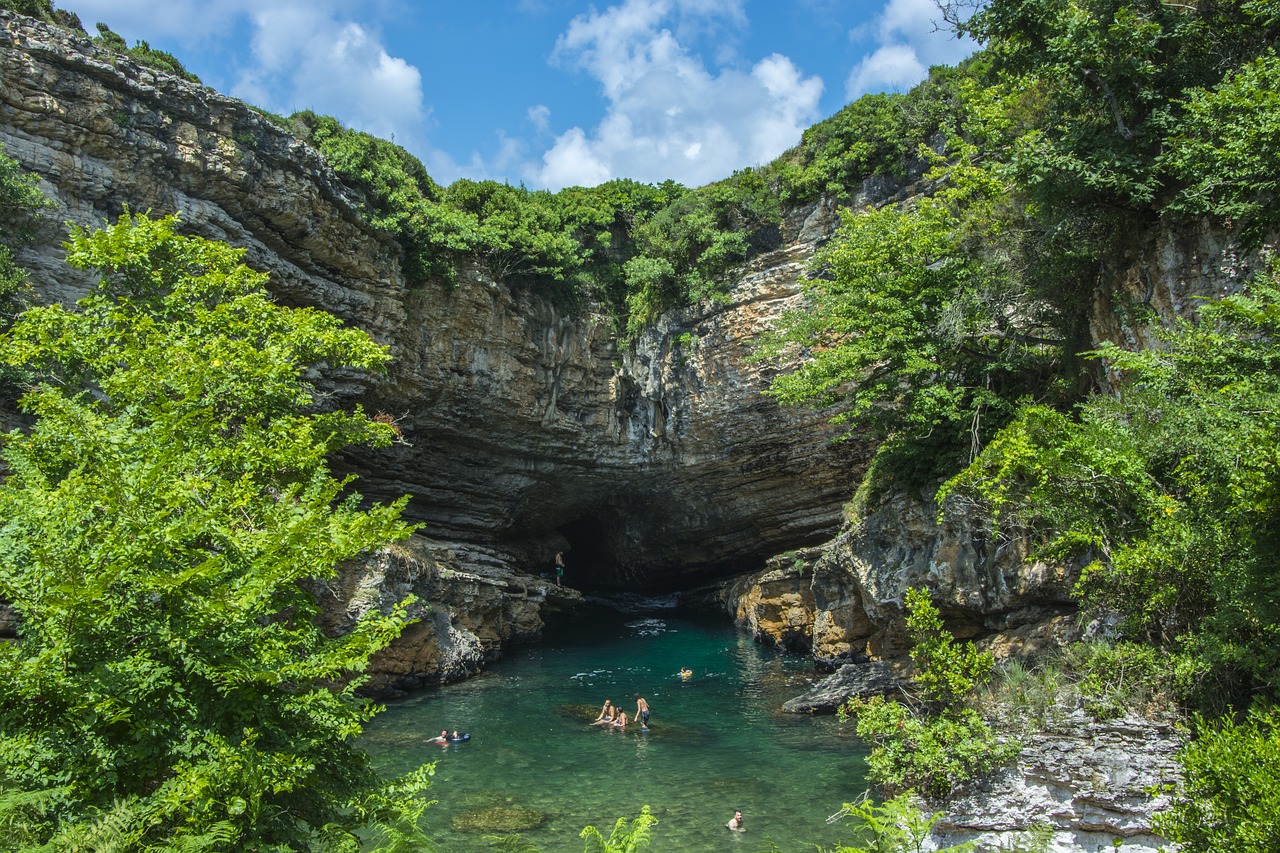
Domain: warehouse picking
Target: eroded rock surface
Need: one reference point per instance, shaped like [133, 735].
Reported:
[468, 606]
[529, 429]
[1090, 782]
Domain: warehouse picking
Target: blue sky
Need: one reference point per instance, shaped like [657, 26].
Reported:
[552, 93]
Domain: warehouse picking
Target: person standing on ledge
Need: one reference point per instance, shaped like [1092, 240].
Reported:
[735, 822]
[559, 568]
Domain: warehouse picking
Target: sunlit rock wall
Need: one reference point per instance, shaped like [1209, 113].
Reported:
[529, 429]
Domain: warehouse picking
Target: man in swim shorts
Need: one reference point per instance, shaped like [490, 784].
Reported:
[642, 710]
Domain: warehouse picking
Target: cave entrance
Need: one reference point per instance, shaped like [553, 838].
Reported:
[592, 560]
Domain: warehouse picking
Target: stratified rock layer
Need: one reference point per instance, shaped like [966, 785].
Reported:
[529, 429]
[1089, 782]
[462, 618]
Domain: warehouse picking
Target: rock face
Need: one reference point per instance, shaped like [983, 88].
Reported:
[776, 605]
[464, 617]
[530, 430]
[1089, 782]
[844, 600]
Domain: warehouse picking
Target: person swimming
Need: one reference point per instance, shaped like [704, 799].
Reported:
[685, 673]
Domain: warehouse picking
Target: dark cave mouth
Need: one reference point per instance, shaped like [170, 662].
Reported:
[604, 555]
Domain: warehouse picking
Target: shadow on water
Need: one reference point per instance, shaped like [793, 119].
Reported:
[718, 741]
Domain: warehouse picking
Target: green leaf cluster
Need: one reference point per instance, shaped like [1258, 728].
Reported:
[21, 202]
[880, 133]
[946, 672]
[943, 746]
[1171, 488]
[625, 837]
[160, 526]
[923, 324]
[894, 826]
[44, 10]
[143, 53]
[1230, 799]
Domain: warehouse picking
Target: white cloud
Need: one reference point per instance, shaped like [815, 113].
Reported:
[667, 115]
[894, 66]
[320, 61]
[912, 37]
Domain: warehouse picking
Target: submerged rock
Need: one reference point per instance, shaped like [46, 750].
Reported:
[498, 819]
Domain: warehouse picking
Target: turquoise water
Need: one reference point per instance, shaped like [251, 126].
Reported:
[717, 742]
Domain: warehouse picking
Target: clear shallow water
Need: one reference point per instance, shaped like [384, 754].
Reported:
[717, 742]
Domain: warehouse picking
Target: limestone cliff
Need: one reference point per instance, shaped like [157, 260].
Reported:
[528, 429]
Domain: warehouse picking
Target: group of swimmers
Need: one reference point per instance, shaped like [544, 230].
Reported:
[614, 717]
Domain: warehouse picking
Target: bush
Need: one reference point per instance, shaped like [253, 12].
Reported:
[945, 747]
[946, 672]
[1230, 800]
[170, 687]
[937, 757]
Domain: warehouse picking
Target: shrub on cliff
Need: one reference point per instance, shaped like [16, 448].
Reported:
[1230, 799]
[169, 688]
[20, 204]
[938, 746]
[143, 53]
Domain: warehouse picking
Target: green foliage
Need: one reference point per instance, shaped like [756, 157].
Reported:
[1225, 150]
[1230, 800]
[685, 250]
[143, 53]
[625, 838]
[1111, 75]
[1125, 677]
[400, 197]
[935, 756]
[944, 747]
[1172, 488]
[920, 327]
[895, 826]
[879, 133]
[20, 204]
[521, 233]
[170, 688]
[947, 672]
[44, 10]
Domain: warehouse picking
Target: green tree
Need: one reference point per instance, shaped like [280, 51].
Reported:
[920, 325]
[947, 672]
[1171, 488]
[938, 745]
[20, 204]
[169, 688]
[1111, 74]
[1224, 151]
